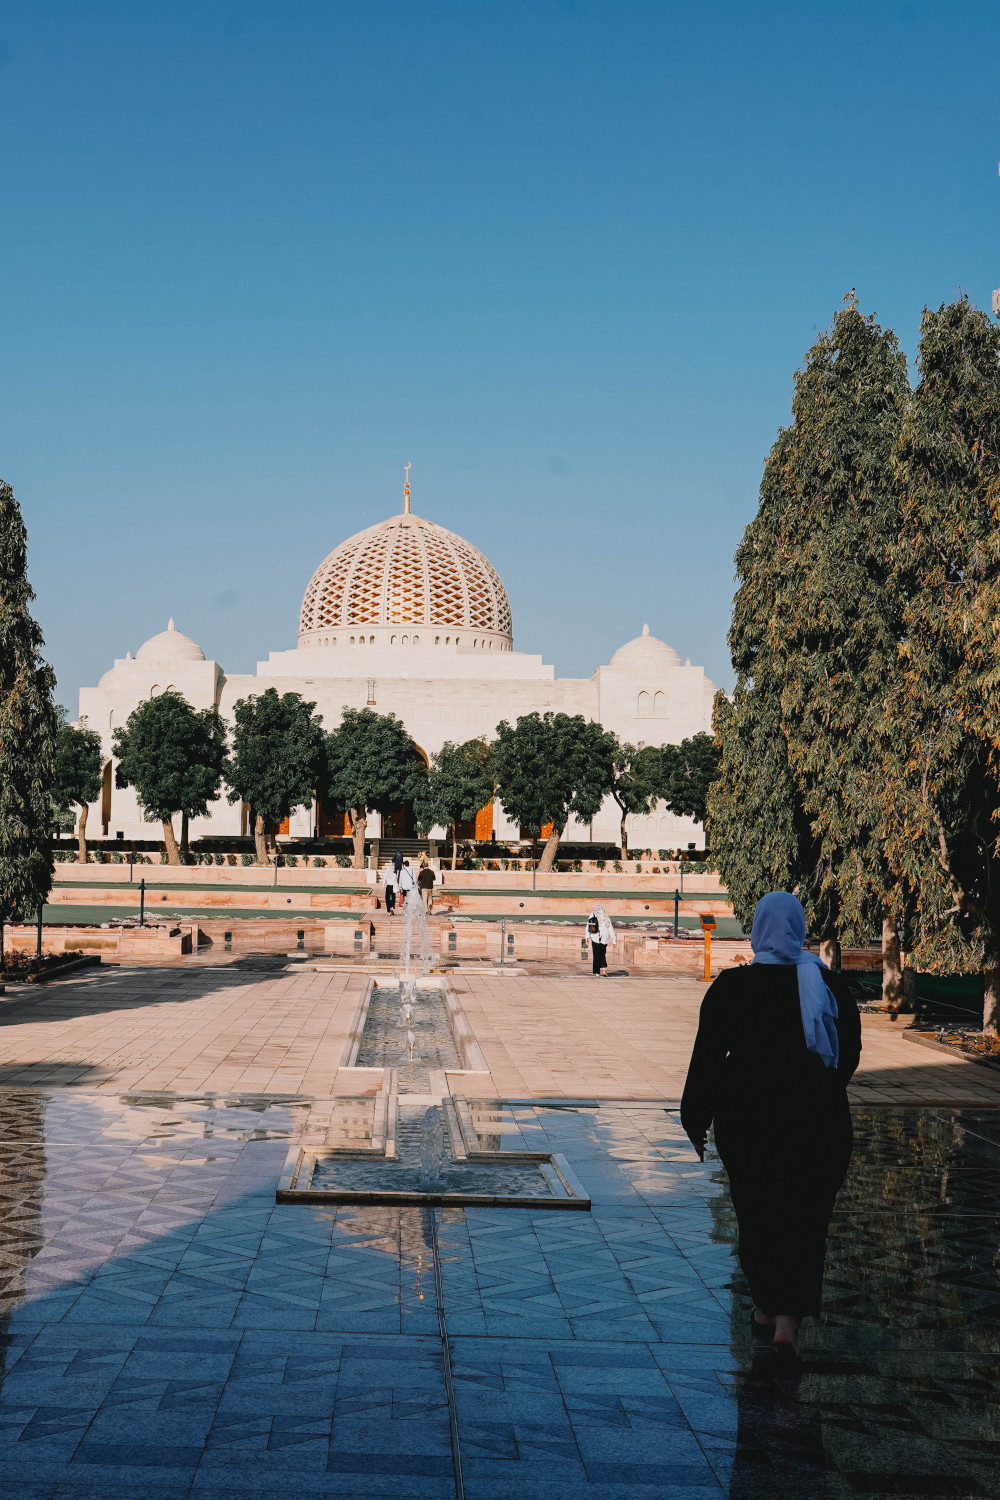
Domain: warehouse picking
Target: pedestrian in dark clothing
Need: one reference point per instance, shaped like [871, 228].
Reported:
[397, 862]
[777, 1044]
[599, 934]
[425, 880]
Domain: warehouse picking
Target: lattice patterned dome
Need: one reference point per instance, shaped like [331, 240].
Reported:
[406, 572]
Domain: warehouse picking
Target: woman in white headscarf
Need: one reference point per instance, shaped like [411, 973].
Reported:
[778, 1041]
[599, 934]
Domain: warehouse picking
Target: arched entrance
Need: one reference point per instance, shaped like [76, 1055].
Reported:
[401, 821]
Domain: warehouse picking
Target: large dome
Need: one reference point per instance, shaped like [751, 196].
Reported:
[402, 573]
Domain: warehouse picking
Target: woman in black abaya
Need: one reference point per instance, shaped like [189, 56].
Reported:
[778, 1041]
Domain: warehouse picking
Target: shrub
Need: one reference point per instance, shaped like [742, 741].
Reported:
[344, 861]
[657, 870]
[578, 866]
[116, 858]
[600, 864]
[638, 869]
[618, 866]
[305, 860]
[246, 859]
[663, 853]
[319, 862]
[292, 861]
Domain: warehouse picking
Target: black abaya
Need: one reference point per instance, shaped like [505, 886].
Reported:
[782, 1124]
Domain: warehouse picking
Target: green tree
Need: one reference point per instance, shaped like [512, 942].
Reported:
[458, 784]
[759, 833]
[372, 766]
[552, 766]
[28, 728]
[943, 812]
[173, 755]
[78, 774]
[277, 761]
[686, 771]
[836, 618]
[635, 783]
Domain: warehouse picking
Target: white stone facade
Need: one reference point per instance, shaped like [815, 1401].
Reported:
[411, 619]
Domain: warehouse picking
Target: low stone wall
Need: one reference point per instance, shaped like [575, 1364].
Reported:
[119, 942]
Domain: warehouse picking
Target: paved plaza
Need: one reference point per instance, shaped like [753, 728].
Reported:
[169, 1330]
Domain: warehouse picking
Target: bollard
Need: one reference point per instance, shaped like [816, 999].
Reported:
[708, 927]
[142, 902]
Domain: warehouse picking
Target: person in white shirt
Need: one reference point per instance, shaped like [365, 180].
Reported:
[599, 934]
[389, 881]
[405, 881]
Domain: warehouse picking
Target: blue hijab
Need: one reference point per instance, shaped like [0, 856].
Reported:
[779, 931]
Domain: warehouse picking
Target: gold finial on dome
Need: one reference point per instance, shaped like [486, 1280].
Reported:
[406, 491]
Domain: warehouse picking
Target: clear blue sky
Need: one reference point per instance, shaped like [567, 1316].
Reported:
[563, 255]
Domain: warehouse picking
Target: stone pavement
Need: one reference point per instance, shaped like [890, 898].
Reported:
[263, 1025]
[168, 1332]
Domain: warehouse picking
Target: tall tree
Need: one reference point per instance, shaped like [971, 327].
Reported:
[550, 767]
[756, 822]
[836, 620]
[278, 759]
[28, 728]
[173, 755]
[457, 785]
[78, 774]
[372, 766]
[685, 773]
[944, 706]
[634, 786]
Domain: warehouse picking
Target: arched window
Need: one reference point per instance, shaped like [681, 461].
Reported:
[437, 640]
[643, 708]
[393, 641]
[371, 640]
[660, 705]
[416, 640]
[352, 640]
[406, 640]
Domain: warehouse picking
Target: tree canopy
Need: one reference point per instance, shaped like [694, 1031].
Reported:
[173, 755]
[550, 767]
[458, 784]
[372, 766]
[683, 774]
[28, 729]
[635, 781]
[277, 761]
[77, 781]
[943, 805]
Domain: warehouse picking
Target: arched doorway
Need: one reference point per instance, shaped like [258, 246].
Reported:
[400, 822]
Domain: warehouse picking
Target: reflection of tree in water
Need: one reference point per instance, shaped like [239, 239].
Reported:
[912, 1256]
[22, 1180]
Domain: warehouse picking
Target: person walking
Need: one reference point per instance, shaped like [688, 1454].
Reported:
[425, 880]
[599, 934]
[397, 862]
[405, 883]
[389, 881]
[778, 1042]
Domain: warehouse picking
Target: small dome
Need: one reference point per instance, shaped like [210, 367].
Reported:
[645, 654]
[170, 646]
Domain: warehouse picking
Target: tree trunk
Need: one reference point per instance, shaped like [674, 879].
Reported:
[624, 838]
[259, 839]
[81, 834]
[548, 858]
[829, 952]
[170, 842]
[359, 822]
[454, 846]
[892, 967]
[991, 1002]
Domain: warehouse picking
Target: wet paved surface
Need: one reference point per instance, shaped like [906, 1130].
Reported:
[168, 1331]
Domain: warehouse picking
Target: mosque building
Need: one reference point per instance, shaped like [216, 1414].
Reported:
[411, 619]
